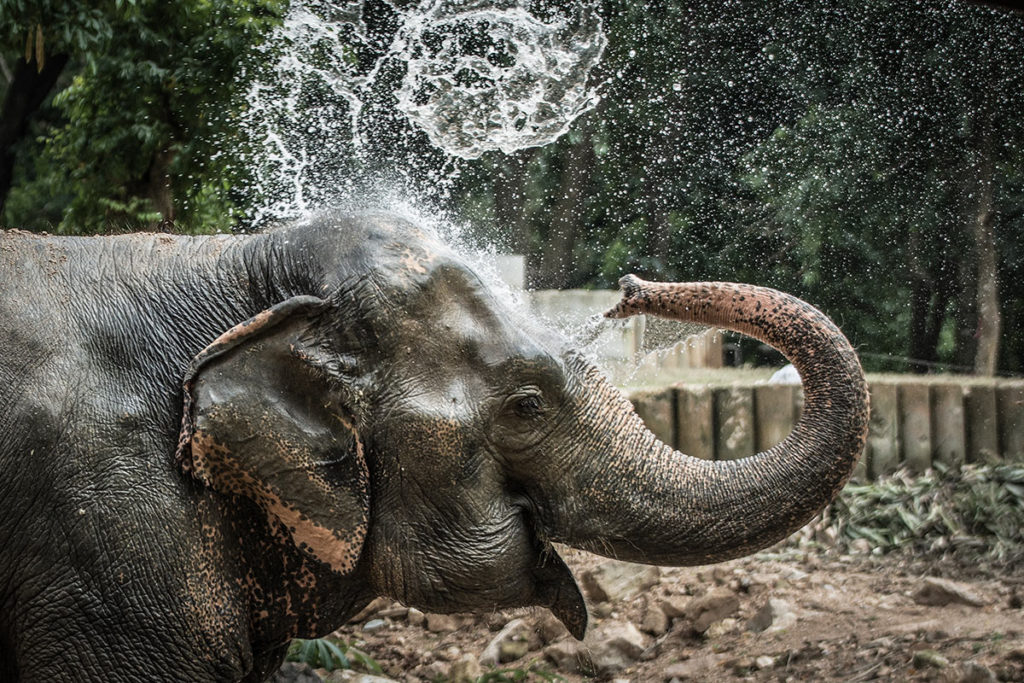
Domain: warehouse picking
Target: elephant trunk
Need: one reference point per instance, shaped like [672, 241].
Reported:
[646, 502]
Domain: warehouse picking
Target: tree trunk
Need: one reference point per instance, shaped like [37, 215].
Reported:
[566, 222]
[26, 93]
[989, 318]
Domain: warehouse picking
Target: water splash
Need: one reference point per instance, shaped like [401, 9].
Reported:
[492, 78]
[347, 97]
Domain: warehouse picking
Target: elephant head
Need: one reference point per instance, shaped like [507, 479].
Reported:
[404, 423]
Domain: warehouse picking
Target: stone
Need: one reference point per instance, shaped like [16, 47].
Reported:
[715, 605]
[613, 646]
[774, 615]
[375, 605]
[349, 676]
[936, 592]
[720, 628]
[613, 580]
[415, 617]
[511, 650]
[694, 669]
[294, 672]
[764, 662]
[549, 629]
[973, 672]
[374, 625]
[674, 607]
[516, 630]
[929, 659]
[467, 669]
[442, 623]
[655, 621]
[568, 656]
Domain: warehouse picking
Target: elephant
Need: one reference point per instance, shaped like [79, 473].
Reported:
[210, 445]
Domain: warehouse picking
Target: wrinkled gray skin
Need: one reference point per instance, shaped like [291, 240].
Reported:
[361, 416]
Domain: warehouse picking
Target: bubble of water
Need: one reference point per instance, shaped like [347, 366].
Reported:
[495, 78]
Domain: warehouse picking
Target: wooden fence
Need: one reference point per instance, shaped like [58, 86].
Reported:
[914, 423]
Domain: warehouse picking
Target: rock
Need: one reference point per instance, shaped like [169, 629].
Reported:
[764, 662]
[500, 649]
[720, 628]
[715, 605]
[774, 615]
[568, 656]
[393, 612]
[860, 546]
[613, 646]
[549, 628]
[465, 670]
[442, 623]
[511, 650]
[374, 625]
[602, 610]
[973, 672]
[794, 574]
[924, 659]
[294, 672]
[674, 607]
[694, 669]
[349, 676]
[376, 605]
[613, 580]
[936, 592]
[435, 671]
[415, 617]
[655, 622]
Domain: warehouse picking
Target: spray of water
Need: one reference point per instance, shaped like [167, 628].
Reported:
[358, 104]
[348, 97]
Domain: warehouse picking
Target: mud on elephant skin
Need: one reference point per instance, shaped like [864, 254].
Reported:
[211, 445]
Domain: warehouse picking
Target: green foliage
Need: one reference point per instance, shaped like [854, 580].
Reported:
[975, 513]
[330, 654]
[134, 133]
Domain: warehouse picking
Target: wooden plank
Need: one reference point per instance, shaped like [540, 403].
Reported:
[982, 428]
[948, 424]
[915, 426]
[734, 422]
[695, 422]
[775, 408]
[883, 449]
[658, 411]
[1010, 402]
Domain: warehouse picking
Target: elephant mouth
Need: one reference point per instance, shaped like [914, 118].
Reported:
[556, 589]
[554, 585]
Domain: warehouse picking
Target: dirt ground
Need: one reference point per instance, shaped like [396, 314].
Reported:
[831, 618]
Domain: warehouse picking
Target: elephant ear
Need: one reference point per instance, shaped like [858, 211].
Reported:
[265, 419]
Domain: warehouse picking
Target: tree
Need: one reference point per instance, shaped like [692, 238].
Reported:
[137, 125]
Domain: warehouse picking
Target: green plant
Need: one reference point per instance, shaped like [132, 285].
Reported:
[330, 654]
[975, 512]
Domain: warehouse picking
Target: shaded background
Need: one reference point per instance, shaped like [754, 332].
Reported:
[866, 156]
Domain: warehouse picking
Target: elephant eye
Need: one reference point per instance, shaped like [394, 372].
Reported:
[529, 406]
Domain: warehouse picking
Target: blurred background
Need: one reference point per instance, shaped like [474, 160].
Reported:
[866, 156]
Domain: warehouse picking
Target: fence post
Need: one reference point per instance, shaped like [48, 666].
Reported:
[1011, 422]
[982, 430]
[915, 422]
[695, 422]
[657, 409]
[734, 421]
[775, 406]
[883, 451]
[950, 436]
